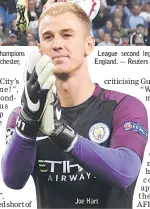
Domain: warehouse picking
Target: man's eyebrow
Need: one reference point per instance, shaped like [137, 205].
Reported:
[62, 31]
[68, 30]
[46, 33]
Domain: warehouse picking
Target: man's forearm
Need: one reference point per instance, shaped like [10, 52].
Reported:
[111, 165]
[18, 161]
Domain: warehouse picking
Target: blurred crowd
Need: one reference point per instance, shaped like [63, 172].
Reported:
[118, 23]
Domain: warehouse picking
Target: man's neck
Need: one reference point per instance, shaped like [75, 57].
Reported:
[75, 90]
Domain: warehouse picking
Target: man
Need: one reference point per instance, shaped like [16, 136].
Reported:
[141, 33]
[134, 19]
[12, 39]
[94, 149]
[146, 12]
[107, 40]
[125, 40]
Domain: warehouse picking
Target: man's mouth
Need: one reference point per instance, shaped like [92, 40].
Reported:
[58, 57]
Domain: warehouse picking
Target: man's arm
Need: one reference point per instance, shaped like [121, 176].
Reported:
[108, 164]
[19, 158]
[113, 164]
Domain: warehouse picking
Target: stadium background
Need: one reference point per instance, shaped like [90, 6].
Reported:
[119, 22]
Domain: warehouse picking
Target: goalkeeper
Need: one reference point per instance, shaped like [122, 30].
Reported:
[83, 146]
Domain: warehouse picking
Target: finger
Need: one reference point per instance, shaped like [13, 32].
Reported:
[47, 125]
[43, 63]
[45, 76]
[50, 100]
[33, 59]
[30, 65]
[33, 78]
[50, 81]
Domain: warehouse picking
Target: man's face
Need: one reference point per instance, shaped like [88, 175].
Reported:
[101, 33]
[118, 12]
[120, 7]
[117, 21]
[140, 30]
[116, 34]
[107, 38]
[12, 39]
[29, 37]
[136, 10]
[125, 41]
[32, 4]
[108, 24]
[63, 39]
[147, 8]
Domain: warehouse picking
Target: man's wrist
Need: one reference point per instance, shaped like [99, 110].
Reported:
[26, 125]
[64, 137]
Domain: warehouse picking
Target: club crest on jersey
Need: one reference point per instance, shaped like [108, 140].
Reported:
[99, 133]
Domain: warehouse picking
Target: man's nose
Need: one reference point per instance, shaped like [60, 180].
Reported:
[57, 44]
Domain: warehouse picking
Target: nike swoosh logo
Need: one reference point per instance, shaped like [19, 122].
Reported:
[33, 107]
[58, 114]
[41, 138]
[71, 130]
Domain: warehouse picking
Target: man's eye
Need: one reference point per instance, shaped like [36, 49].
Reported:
[48, 37]
[67, 35]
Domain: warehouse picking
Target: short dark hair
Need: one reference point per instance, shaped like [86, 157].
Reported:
[140, 25]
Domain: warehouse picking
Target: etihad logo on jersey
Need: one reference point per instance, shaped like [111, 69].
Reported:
[99, 133]
[63, 171]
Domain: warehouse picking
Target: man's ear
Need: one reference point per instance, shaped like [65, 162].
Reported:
[89, 45]
[39, 47]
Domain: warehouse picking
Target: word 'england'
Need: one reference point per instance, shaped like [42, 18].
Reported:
[106, 58]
